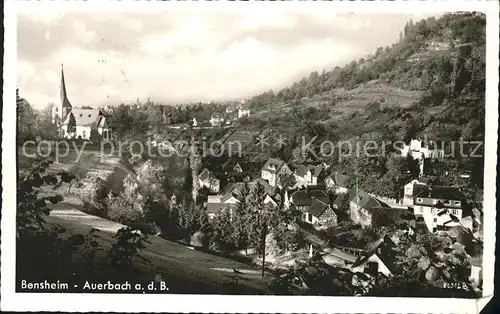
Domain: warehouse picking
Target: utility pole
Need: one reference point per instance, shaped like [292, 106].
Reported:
[264, 232]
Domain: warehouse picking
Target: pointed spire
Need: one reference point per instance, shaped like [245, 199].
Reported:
[64, 96]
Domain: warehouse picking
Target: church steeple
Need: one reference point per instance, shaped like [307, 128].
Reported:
[64, 96]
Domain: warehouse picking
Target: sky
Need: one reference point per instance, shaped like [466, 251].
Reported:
[182, 57]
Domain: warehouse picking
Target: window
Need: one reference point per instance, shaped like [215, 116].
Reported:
[90, 115]
[81, 115]
[57, 109]
[421, 209]
[447, 203]
[419, 200]
[83, 133]
[435, 219]
[457, 203]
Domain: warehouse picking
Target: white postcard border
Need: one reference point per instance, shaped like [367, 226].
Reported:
[219, 303]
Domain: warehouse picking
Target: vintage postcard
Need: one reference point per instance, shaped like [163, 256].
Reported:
[249, 157]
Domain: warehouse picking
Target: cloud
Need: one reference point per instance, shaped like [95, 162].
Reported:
[118, 57]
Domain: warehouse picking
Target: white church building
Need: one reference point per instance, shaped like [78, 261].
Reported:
[85, 120]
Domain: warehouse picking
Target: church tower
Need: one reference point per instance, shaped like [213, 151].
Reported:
[61, 109]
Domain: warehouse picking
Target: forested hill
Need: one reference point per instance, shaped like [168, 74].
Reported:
[431, 82]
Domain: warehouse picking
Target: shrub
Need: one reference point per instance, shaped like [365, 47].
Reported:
[198, 239]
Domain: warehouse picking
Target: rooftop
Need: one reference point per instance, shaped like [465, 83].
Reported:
[273, 164]
[85, 117]
[363, 199]
[439, 192]
[339, 179]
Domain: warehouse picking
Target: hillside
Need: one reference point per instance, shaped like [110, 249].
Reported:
[437, 63]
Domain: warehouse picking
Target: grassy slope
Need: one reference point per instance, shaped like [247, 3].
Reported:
[184, 270]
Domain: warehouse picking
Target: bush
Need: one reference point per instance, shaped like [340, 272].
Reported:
[198, 239]
[95, 197]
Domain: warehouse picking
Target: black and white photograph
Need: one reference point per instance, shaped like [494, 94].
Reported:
[250, 152]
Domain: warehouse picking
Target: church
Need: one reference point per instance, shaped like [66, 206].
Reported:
[78, 123]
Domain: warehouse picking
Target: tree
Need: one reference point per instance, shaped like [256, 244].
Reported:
[44, 126]
[71, 130]
[26, 119]
[39, 250]
[95, 137]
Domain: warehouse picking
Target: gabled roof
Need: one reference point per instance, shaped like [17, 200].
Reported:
[317, 170]
[378, 248]
[341, 255]
[101, 122]
[85, 117]
[272, 198]
[317, 208]
[206, 175]
[426, 179]
[249, 166]
[440, 192]
[319, 195]
[273, 165]
[306, 198]
[363, 199]
[301, 198]
[341, 180]
[234, 188]
[340, 200]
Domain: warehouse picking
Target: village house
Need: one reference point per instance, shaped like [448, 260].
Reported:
[321, 214]
[86, 121]
[232, 193]
[365, 209]
[309, 175]
[226, 200]
[209, 180]
[410, 187]
[241, 170]
[337, 182]
[340, 201]
[436, 203]
[421, 153]
[269, 199]
[302, 199]
[376, 259]
[216, 120]
[273, 169]
[315, 207]
[243, 113]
